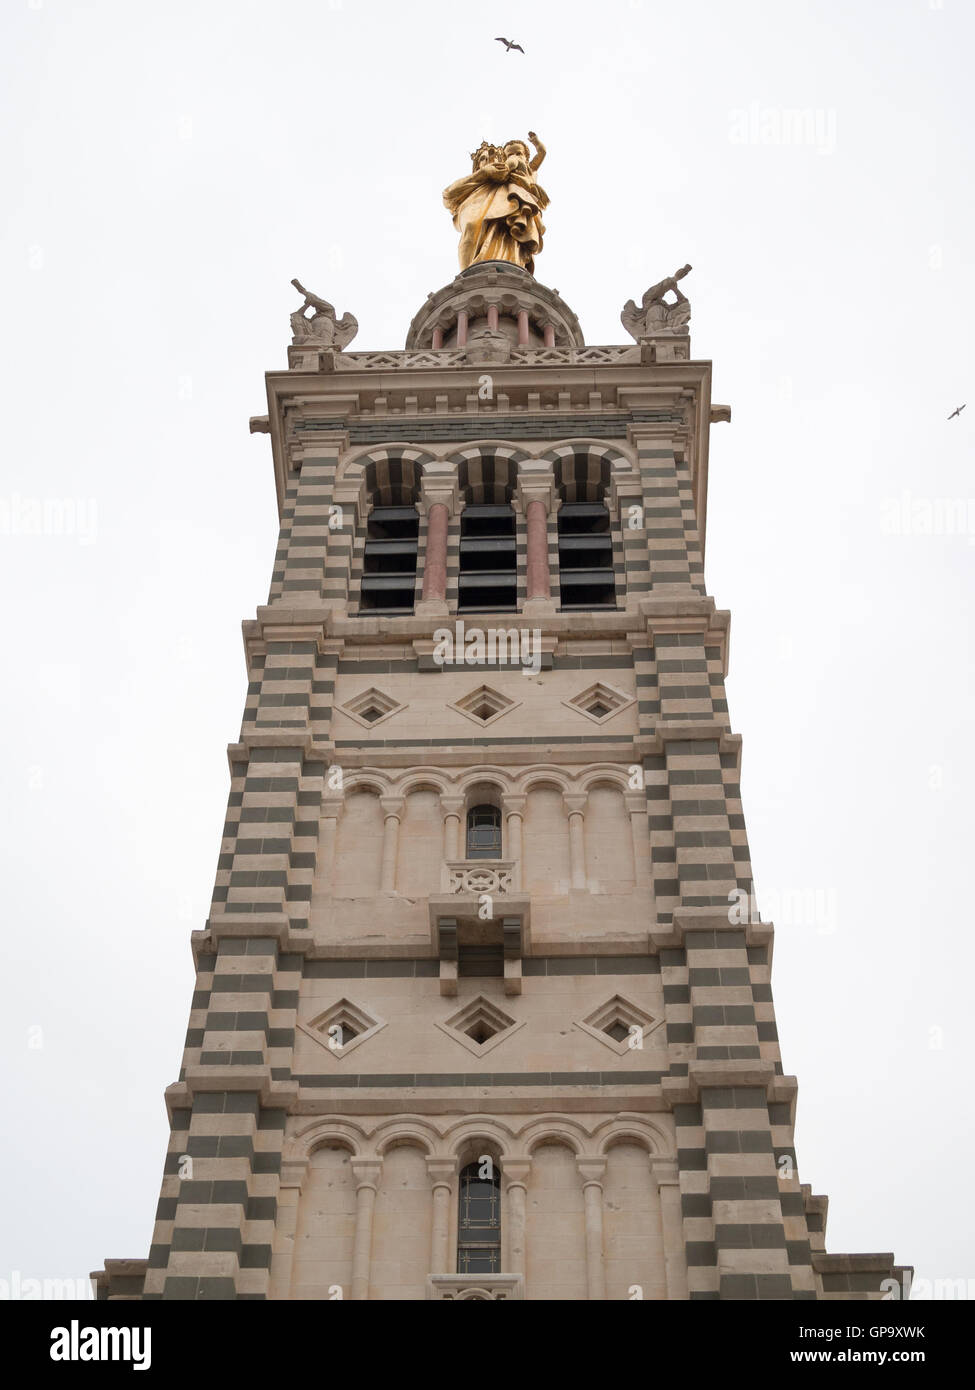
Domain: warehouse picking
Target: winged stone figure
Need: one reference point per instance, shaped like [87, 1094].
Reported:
[322, 328]
[657, 314]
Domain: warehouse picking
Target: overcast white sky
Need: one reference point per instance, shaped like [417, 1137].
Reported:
[166, 169]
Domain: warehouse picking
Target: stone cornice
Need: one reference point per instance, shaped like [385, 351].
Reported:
[704, 1075]
[685, 611]
[273, 1094]
[223, 925]
[695, 919]
[687, 731]
[337, 401]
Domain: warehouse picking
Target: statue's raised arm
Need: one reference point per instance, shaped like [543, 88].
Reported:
[322, 305]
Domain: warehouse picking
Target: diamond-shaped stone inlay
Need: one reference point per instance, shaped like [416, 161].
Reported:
[619, 1024]
[484, 705]
[480, 1025]
[371, 707]
[342, 1027]
[599, 702]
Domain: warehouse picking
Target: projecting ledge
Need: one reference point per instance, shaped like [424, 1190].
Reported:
[273, 925]
[708, 1075]
[272, 1093]
[705, 919]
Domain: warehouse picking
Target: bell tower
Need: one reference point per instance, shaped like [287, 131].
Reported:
[483, 1005]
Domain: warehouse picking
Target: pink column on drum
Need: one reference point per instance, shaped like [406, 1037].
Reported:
[522, 327]
[437, 343]
[492, 316]
[550, 335]
[461, 327]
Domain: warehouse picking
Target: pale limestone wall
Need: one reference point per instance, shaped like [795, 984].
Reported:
[548, 1040]
[427, 701]
[347, 901]
[609, 843]
[547, 870]
[325, 1226]
[401, 1227]
[633, 1238]
[555, 1227]
[358, 850]
[402, 1153]
[420, 845]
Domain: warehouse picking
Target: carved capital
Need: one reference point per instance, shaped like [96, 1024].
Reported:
[516, 1172]
[367, 1172]
[664, 1171]
[442, 1171]
[591, 1170]
[536, 483]
[439, 484]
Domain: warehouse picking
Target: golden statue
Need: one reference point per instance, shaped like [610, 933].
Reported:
[498, 207]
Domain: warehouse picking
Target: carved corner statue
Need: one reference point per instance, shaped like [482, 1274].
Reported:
[656, 314]
[498, 207]
[322, 329]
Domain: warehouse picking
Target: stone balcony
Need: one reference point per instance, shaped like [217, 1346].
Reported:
[496, 877]
[480, 905]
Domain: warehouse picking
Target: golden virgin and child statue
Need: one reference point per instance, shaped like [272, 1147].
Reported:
[497, 208]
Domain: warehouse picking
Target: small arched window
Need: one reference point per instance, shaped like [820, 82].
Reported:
[479, 1218]
[484, 832]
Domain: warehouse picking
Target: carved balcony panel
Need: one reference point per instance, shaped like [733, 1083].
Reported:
[494, 876]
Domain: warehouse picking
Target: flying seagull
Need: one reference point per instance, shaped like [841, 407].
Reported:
[957, 411]
[510, 44]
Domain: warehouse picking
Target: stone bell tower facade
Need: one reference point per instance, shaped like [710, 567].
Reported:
[478, 1013]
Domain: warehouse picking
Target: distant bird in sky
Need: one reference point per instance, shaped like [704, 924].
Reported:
[957, 411]
[510, 44]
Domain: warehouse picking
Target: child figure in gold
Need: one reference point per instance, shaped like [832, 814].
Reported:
[498, 207]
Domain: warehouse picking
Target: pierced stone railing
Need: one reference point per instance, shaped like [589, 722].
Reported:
[493, 876]
[451, 357]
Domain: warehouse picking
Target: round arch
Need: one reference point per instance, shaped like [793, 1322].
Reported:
[406, 1133]
[552, 1129]
[604, 775]
[319, 1134]
[632, 1128]
[483, 777]
[583, 468]
[551, 777]
[422, 781]
[464, 1138]
[373, 783]
[391, 476]
[488, 471]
